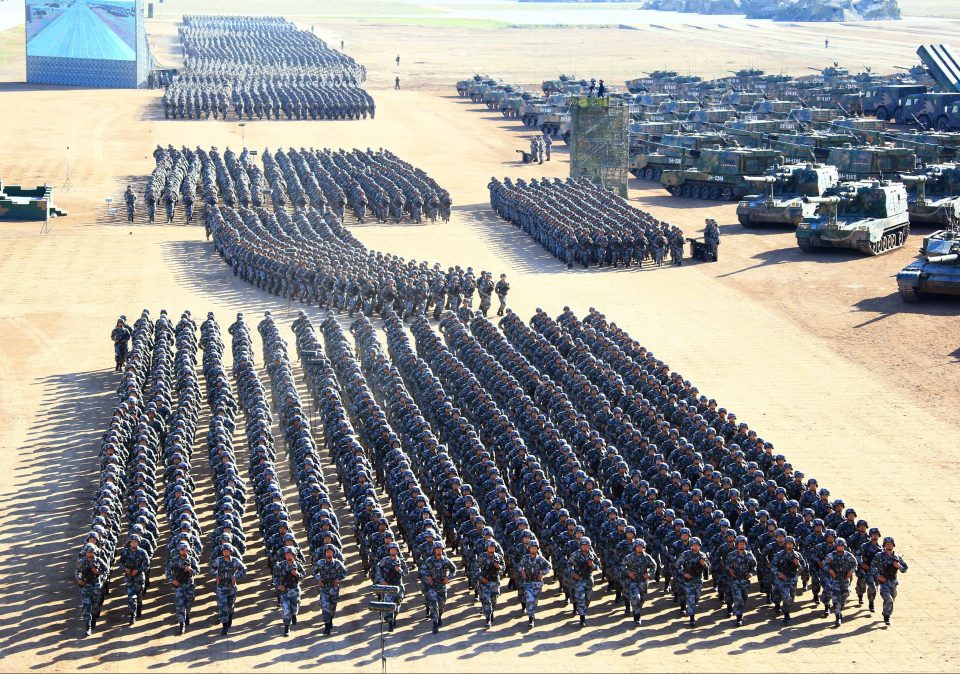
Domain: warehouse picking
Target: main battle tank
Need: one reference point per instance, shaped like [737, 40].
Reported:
[934, 199]
[784, 202]
[719, 173]
[936, 271]
[866, 215]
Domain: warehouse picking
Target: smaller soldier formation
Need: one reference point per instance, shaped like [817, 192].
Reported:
[262, 68]
[580, 223]
[376, 183]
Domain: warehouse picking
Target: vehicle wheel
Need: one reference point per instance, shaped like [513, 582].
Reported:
[727, 194]
[924, 121]
[882, 114]
[685, 191]
[566, 137]
[672, 189]
[943, 124]
[695, 192]
[657, 173]
[648, 173]
[909, 294]
[745, 221]
[805, 246]
[716, 193]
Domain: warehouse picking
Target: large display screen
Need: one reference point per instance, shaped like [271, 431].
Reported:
[84, 29]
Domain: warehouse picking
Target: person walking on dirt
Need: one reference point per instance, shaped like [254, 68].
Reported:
[398, 60]
[396, 83]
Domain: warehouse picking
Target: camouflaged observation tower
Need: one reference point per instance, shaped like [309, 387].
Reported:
[599, 149]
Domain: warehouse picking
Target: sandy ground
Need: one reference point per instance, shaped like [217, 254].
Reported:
[818, 353]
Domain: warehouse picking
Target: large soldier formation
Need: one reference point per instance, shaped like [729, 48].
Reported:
[262, 68]
[514, 454]
[492, 470]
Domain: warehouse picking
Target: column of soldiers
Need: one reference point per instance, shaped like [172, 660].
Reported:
[120, 469]
[264, 68]
[323, 527]
[226, 564]
[579, 222]
[184, 546]
[381, 558]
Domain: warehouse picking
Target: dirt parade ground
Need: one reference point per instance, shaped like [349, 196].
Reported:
[817, 352]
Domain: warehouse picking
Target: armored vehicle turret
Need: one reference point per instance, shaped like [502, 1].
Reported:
[786, 187]
[934, 196]
[672, 152]
[866, 215]
[718, 173]
[936, 271]
[860, 162]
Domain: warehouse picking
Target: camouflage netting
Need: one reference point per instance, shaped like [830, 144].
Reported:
[787, 10]
[599, 142]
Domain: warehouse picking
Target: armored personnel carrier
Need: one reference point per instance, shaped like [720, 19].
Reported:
[672, 152]
[866, 215]
[718, 173]
[861, 162]
[934, 196]
[784, 203]
[936, 271]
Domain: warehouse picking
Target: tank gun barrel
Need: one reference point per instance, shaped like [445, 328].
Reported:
[913, 180]
[950, 257]
[822, 200]
[766, 180]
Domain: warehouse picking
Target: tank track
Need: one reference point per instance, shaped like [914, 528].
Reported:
[893, 238]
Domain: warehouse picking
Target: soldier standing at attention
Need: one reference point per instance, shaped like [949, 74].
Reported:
[396, 82]
[502, 288]
[711, 237]
[547, 144]
[121, 336]
[398, 60]
[130, 198]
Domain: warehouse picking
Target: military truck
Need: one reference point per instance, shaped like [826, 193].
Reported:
[718, 173]
[885, 102]
[866, 215]
[672, 152]
[934, 195]
[929, 110]
[862, 162]
[936, 271]
[786, 186]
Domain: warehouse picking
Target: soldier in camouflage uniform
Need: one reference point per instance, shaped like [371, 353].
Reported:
[391, 570]
[582, 563]
[741, 565]
[692, 566]
[120, 336]
[531, 570]
[839, 565]
[786, 566]
[435, 572]
[182, 570]
[490, 566]
[638, 567]
[287, 574]
[886, 567]
[329, 572]
[136, 564]
[90, 574]
[227, 569]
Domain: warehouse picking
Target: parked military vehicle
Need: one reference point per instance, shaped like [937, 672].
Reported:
[862, 162]
[929, 110]
[885, 102]
[719, 173]
[866, 215]
[679, 109]
[936, 271]
[817, 143]
[934, 196]
[786, 186]
[742, 100]
[672, 152]
[703, 116]
[772, 109]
